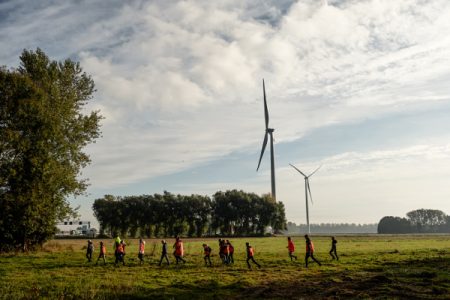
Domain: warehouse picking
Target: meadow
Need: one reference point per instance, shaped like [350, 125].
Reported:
[377, 266]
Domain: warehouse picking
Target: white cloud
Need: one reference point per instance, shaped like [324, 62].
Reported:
[365, 186]
[181, 80]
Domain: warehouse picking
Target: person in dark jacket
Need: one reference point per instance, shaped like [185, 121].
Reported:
[333, 249]
[207, 252]
[89, 250]
[164, 253]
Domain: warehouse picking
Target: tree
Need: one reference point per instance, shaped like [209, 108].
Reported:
[427, 220]
[42, 134]
[394, 225]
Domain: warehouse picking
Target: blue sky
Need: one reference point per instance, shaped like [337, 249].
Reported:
[359, 87]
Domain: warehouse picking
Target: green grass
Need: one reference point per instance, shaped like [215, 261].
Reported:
[369, 267]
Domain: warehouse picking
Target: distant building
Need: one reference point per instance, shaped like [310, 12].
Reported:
[75, 228]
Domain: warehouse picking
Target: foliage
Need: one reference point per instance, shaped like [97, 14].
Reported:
[229, 213]
[394, 225]
[369, 267]
[427, 220]
[293, 228]
[417, 221]
[42, 134]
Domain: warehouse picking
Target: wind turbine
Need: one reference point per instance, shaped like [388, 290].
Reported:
[307, 190]
[269, 132]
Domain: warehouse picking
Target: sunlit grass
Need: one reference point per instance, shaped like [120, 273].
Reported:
[369, 266]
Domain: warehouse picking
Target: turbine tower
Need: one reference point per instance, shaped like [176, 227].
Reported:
[307, 190]
[269, 132]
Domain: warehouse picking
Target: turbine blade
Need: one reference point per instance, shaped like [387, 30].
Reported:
[309, 190]
[262, 150]
[315, 171]
[298, 170]
[266, 111]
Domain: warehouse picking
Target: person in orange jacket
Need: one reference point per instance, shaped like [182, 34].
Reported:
[250, 256]
[207, 252]
[179, 250]
[120, 252]
[102, 253]
[291, 248]
[310, 251]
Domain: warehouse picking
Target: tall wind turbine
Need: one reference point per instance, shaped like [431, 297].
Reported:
[307, 190]
[269, 132]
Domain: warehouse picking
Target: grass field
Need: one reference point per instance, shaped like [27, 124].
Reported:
[369, 267]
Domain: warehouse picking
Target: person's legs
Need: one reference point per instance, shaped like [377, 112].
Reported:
[292, 256]
[254, 261]
[318, 262]
[248, 264]
[306, 259]
[331, 253]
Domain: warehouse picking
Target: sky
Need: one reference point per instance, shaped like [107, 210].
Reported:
[360, 88]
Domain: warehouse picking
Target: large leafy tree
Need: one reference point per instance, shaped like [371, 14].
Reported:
[427, 220]
[43, 130]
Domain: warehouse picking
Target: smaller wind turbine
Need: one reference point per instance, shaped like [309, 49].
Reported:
[307, 190]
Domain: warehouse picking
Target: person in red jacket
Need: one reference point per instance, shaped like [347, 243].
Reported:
[179, 250]
[207, 251]
[291, 248]
[310, 251]
[250, 256]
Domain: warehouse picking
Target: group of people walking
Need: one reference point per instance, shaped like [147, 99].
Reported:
[226, 251]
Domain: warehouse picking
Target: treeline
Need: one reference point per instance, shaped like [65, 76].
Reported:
[293, 228]
[416, 221]
[230, 213]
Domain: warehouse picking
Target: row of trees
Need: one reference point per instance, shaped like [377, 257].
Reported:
[44, 127]
[293, 228]
[416, 221]
[227, 213]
